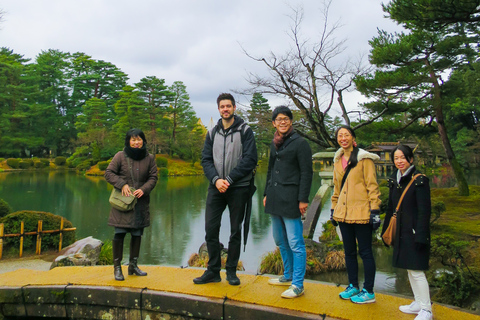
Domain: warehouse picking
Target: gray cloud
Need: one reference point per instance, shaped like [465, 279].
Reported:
[197, 42]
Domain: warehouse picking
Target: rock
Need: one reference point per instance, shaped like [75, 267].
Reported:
[84, 252]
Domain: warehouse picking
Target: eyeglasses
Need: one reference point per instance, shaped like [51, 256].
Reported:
[282, 120]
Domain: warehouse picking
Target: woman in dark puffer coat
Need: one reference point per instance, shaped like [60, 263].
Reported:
[133, 160]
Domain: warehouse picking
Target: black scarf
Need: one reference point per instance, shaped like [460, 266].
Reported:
[136, 153]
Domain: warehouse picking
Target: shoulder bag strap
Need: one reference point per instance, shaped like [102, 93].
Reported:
[130, 167]
[345, 176]
[405, 191]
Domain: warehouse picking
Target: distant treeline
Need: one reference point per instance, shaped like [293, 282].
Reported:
[73, 105]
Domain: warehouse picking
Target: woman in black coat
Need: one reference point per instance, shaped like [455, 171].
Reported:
[286, 194]
[133, 160]
[411, 249]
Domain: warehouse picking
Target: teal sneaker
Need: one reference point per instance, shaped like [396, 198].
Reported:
[282, 281]
[363, 297]
[349, 292]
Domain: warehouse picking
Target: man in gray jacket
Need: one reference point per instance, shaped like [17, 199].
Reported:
[229, 157]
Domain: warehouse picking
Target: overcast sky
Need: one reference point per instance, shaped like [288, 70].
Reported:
[198, 42]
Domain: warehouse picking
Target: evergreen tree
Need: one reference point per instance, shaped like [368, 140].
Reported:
[157, 98]
[260, 120]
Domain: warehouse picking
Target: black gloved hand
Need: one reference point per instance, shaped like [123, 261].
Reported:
[375, 219]
[420, 246]
[335, 223]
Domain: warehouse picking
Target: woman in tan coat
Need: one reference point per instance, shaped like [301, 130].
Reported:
[132, 167]
[355, 208]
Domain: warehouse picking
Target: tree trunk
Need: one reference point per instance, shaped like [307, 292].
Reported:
[442, 131]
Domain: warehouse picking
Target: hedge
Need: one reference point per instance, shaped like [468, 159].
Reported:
[30, 218]
[26, 164]
[13, 163]
[102, 165]
[162, 162]
[163, 172]
[4, 208]
[60, 161]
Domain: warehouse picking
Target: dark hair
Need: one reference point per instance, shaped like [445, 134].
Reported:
[134, 133]
[347, 128]
[353, 156]
[225, 96]
[407, 152]
[282, 109]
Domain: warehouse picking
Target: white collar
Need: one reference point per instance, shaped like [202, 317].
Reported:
[400, 175]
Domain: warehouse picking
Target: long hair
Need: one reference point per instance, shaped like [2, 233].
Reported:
[353, 160]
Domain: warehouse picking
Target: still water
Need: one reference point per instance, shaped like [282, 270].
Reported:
[177, 219]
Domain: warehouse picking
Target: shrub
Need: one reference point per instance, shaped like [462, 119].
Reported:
[39, 164]
[162, 162]
[163, 172]
[102, 165]
[60, 161]
[26, 164]
[106, 254]
[4, 208]
[2, 159]
[456, 282]
[438, 208]
[13, 163]
[46, 162]
[84, 165]
[30, 218]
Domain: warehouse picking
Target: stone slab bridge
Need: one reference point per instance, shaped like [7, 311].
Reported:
[169, 293]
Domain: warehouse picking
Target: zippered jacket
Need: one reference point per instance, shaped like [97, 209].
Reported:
[225, 156]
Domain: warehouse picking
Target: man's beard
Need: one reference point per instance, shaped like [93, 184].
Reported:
[229, 117]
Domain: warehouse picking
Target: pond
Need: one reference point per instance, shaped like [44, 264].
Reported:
[177, 219]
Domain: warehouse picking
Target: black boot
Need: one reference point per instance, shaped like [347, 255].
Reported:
[117, 248]
[134, 253]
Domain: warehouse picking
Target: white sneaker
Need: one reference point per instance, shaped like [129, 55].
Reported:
[412, 308]
[293, 292]
[424, 315]
[282, 281]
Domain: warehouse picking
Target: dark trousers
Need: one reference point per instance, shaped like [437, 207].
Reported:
[361, 233]
[236, 200]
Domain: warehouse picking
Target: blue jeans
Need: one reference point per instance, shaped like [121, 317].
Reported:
[288, 236]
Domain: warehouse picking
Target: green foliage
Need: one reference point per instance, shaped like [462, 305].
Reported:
[84, 165]
[4, 208]
[26, 164]
[106, 254]
[39, 164]
[60, 161]
[438, 207]
[2, 159]
[161, 162]
[260, 120]
[30, 218]
[163, 172]
[384, 191]
[456, 283]
[13, 163]
[102, 165]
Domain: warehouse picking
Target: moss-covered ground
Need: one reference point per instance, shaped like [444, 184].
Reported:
[461, 218]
